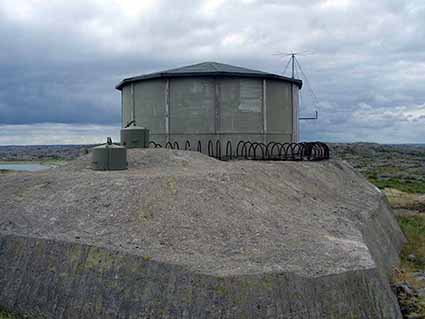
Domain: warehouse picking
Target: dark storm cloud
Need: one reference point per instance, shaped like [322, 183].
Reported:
[60, 60]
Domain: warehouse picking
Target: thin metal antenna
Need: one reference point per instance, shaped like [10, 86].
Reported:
[291, 61]
[294, 66]
[286, 67]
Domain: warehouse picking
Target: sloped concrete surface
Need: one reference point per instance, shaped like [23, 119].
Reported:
[181, 235]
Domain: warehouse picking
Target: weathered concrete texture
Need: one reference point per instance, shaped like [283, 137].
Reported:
[181, 235]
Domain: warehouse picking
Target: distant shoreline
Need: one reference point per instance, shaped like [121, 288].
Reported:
[43, 153]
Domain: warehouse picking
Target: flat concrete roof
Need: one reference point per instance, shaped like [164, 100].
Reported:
[209, 69]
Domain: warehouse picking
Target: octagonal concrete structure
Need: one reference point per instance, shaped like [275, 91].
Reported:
[213, 101]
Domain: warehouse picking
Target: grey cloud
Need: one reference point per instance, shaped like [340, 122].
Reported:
[63, 58]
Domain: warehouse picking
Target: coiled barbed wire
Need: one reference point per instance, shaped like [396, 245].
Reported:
[310, 151]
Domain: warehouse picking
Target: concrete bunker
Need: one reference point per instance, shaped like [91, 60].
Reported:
[182, 235]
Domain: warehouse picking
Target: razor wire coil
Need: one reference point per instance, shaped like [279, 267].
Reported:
[272, 151]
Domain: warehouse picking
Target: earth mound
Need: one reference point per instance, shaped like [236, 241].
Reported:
[182, 235]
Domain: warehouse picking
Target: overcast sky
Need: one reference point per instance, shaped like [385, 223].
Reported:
[60, 61]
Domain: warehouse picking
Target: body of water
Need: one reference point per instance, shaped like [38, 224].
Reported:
[24, 167]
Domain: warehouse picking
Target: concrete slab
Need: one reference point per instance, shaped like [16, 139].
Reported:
[181, 235]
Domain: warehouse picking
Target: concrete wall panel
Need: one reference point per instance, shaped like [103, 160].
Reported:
[127, 105]
[240, 102]
[279, 107]
[192, 105]
[150, 105]
[295, 114]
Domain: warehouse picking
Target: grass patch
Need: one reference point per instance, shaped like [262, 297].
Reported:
[407, 186]
[413, 227]
[7, 315]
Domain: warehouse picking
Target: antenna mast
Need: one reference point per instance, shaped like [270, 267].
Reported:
[294, 66]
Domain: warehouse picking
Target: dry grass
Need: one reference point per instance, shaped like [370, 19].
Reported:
[404, 200]
[404, 274]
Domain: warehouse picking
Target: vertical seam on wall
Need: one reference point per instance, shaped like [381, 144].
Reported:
[216, 106]
[133, 102]
[122, 108]
[297, 120]
[264, 110]
[297, 114]
[293, 114]
[167, 109]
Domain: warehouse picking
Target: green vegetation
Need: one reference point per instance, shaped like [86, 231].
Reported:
[6, 315]
[412, 262]
[413, 227]
[399, 167]
[404, 188]
[407, 185]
